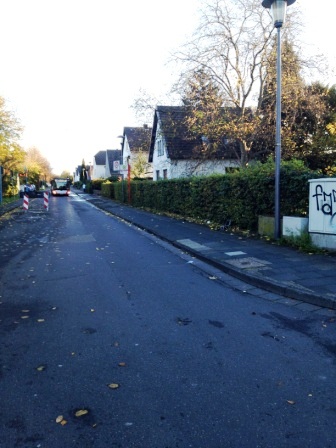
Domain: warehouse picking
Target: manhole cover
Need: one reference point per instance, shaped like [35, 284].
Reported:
[248, 263]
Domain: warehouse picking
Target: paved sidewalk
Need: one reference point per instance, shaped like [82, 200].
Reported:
[277, 269]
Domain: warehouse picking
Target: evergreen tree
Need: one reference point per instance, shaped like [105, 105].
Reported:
[292, 94]
[83, 173]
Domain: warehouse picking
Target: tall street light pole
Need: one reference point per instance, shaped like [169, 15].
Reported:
[278, 8]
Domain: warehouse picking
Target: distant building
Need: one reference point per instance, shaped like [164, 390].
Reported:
[135, 150]
[99, 165]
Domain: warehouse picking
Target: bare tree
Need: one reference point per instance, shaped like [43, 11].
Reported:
[232, 46]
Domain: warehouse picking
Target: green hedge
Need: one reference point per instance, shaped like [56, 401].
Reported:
[240, 196]
[107, 190]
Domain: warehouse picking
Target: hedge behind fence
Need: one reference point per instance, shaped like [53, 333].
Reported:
[240, 197]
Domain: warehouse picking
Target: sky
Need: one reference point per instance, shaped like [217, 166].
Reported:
[72, 69]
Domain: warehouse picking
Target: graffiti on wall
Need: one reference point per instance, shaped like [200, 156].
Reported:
[325, 201]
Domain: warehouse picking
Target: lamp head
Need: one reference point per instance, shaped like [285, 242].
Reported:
[278, 8]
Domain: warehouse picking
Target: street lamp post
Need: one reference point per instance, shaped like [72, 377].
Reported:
[278, 8]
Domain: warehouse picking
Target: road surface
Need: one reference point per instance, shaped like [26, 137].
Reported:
[112, 338]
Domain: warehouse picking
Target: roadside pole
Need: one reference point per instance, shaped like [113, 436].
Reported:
[46, 200]
[25, 202]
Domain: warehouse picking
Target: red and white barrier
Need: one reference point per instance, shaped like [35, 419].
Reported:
[25, 202]
[46, 200]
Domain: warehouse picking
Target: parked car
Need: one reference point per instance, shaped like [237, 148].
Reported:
[29, 190]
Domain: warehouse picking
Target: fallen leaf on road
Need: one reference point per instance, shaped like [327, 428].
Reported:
[81, 412]
[41, 368]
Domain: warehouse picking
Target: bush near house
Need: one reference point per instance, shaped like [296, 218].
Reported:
[97, 183]
[240, 196]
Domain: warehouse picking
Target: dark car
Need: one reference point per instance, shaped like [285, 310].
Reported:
[29, 190]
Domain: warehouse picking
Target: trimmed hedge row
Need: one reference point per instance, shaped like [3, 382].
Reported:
[240, 197]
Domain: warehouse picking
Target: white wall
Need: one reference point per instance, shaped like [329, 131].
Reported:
[322, 205]
[98, 172]
[126, 153]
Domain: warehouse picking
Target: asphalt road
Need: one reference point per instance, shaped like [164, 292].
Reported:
[112, 338]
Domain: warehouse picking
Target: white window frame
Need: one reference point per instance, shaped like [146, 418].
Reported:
[160, 151]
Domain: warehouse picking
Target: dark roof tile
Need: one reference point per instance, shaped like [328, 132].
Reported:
[100, 158]
[138, 138]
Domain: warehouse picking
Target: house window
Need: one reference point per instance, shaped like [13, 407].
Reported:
[165, 174]
[158, 175]
[159, 148]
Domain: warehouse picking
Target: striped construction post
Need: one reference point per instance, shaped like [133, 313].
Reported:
[46, 200]
[25, 202]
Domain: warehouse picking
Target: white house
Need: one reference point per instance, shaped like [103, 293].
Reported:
[99, 165]
[174, 154]
[76, 174]
[135, 149]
